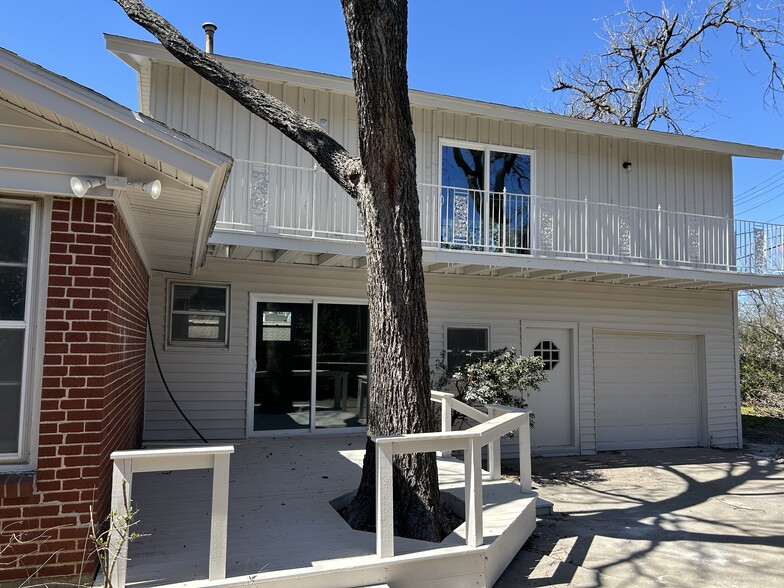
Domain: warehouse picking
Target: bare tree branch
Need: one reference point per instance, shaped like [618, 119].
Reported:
[341, 166]
[648, 74]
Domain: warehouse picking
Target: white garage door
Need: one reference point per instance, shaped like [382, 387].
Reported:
[647, 391]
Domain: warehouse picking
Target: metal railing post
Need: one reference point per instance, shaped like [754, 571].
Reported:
[659, 236]
[585, 229]
[729, 249]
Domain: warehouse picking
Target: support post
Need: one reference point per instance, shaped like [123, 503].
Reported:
[385, 523]
[117, 558]
[524, 433]
[474, 527]
[494, 449]
[220, 516]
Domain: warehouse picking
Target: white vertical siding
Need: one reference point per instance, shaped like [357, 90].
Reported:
[211, 384]
[569, 165]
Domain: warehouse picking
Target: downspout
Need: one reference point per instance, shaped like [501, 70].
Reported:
[737, 366]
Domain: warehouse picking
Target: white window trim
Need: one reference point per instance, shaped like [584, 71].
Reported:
[33, 324]
[171, 344]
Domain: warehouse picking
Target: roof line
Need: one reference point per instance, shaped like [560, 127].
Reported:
[134, 52]
[122, 115]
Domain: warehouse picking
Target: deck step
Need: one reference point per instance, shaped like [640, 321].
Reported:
[544, 508]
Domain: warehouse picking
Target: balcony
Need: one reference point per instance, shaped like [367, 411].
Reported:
[297, 214]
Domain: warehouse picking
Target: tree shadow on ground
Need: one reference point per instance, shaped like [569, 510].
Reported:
[639, 512]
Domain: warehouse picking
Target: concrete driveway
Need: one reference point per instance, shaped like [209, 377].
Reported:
[670, 517]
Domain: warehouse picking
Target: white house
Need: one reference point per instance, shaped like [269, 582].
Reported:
[611, 252]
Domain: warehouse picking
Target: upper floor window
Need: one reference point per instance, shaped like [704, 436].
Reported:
[16, 255]
[199, 314]
[485, 197]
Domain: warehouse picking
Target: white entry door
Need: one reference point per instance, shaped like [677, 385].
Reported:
[553, 405]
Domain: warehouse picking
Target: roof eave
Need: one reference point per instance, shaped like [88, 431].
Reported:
[134, 52]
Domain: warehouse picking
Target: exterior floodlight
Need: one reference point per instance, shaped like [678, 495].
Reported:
[152, 188]
[81, 185]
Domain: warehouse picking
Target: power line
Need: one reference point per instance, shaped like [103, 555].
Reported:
[751, 192]
[760, 199]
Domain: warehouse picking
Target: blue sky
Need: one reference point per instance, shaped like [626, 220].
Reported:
[504, 54]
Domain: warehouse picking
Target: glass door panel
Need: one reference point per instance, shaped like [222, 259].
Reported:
[510, 186]
[284, 335]
[462, 197]
[342, 366]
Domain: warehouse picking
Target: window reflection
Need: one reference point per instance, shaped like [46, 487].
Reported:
[485, 200]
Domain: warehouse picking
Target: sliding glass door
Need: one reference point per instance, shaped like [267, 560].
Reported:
[284, 335]
[311, 365]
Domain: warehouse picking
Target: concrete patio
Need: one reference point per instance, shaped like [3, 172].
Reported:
[671, 517]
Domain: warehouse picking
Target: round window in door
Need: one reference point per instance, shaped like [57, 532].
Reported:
[549, 353]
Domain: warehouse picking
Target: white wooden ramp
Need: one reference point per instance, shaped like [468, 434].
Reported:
[282, 530]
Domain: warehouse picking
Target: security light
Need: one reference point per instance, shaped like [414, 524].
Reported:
[152, 188]
[81, 185]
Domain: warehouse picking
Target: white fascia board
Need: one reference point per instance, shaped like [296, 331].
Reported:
[739, 281]
[104, 116]
[208, 214]
[134, 52]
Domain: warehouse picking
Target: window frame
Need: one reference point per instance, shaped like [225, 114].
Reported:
[487, 148]
[170, 312]
[28, 425]
[475, 326]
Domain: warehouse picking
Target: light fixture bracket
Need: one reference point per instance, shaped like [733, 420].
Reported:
[80, 185]
[116, 182]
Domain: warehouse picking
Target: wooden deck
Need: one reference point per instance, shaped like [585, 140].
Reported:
[283, 528]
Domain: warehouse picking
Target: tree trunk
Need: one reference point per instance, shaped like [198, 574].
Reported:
[383, 181]
[389, 205]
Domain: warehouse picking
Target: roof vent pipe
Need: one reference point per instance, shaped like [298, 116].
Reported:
[209, 31]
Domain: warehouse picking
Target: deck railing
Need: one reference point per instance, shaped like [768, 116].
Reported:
[274, 199]
[128, 463]
[498, 422]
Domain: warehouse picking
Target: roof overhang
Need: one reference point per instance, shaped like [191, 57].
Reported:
[137, 53]
[193, 174]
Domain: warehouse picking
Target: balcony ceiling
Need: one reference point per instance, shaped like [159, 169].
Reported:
[450, 262]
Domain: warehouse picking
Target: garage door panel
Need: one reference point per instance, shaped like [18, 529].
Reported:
[646, 391]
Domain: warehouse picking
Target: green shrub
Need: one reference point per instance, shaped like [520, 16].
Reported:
[496, 377]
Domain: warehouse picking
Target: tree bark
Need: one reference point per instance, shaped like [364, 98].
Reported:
[389, 205]
[383, 181]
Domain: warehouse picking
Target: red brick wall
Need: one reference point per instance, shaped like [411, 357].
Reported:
[92, 392]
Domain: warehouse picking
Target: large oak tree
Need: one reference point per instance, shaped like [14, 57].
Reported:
[382, 180]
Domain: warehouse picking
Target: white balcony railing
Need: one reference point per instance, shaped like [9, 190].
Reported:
[273, 199]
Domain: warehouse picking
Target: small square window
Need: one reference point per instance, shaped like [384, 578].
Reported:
[199, 315]
[465, 340]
